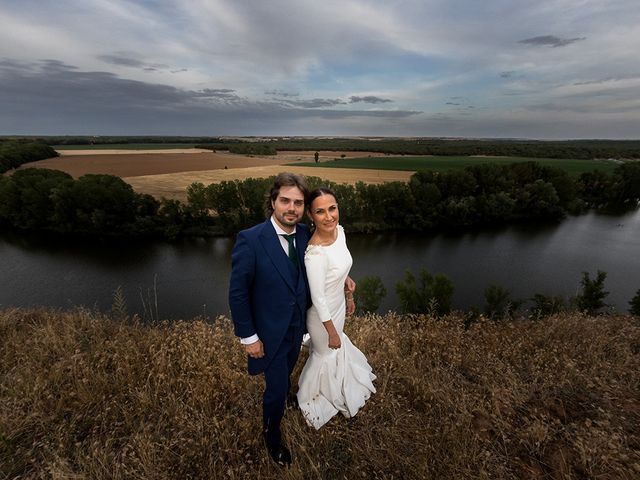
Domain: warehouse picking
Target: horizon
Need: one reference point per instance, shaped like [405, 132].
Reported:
[327, 137]
[505, 69]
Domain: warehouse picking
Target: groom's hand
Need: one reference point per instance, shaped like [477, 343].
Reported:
[349, 286]
[255, 350]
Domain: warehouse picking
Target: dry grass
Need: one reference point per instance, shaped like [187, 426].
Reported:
[174, 185]
[85, 396]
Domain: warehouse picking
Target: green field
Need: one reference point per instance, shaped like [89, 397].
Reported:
[125, 146]
[442, 163]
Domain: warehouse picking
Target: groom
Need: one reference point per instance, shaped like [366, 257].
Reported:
[269, 297]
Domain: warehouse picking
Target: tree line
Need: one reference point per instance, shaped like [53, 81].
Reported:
[13, 154]
[50, 200]
[433, 295]
[480, 195]
[577, 149]
[108, 140]
[486, 194]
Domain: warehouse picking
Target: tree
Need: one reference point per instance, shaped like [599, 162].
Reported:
[103, 204]
[426, 196]
[316, 156]
[26, 200]
[591, 300]
[626, 189]
[635, 304]
[369, 294]
[432, 295]
[539, 199]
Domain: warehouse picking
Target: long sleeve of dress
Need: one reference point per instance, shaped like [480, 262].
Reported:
[316, 263]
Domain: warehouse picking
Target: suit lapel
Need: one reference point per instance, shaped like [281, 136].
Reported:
[274, 250]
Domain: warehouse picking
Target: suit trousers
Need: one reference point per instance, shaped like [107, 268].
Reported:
[277, 383]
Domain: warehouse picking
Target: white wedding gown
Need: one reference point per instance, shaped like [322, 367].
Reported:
[339, 380]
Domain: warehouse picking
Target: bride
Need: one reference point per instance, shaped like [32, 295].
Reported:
[336, 377]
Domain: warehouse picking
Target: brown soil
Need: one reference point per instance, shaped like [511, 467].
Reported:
[118, 151]
[132, 165]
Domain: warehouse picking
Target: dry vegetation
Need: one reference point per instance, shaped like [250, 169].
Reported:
[86, 396]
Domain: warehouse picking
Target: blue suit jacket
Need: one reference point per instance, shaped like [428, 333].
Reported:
[263, 295]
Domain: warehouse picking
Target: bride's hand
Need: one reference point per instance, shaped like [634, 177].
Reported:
[334, 341]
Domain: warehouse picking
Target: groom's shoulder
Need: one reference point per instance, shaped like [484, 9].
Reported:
[255, 230]
[303, 227]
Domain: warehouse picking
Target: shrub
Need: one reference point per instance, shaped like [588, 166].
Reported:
[499, 304]
[433, 295]
[591, 300]
[369, 293]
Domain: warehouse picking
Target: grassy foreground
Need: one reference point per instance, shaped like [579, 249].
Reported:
[86, 396]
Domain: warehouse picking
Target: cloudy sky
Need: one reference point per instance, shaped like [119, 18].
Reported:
[456, 68]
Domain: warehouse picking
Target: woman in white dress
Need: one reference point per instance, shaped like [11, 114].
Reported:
[336, 377]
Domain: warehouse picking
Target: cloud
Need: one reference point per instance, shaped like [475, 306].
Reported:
[124, 60]
[550, 41]
[52, 97]
[315, 102]
[281, 93]
[208, 66]
[368, 99]
[121, 60]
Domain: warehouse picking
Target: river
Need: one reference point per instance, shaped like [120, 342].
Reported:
[190, 278]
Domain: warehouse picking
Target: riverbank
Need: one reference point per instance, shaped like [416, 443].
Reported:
[84, 395]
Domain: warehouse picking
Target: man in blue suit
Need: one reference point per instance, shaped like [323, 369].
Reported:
[269, 297]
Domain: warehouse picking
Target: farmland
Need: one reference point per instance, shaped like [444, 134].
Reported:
[441, 163]
[168, 172]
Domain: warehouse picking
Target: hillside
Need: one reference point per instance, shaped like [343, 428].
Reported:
[88, 396]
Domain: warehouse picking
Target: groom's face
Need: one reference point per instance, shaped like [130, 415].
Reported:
[288, 207]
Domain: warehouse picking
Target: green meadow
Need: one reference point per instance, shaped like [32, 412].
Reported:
[441, 163]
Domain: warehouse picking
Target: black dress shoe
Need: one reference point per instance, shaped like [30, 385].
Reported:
[280, 454]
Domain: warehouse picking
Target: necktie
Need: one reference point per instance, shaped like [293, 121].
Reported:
[292, 249]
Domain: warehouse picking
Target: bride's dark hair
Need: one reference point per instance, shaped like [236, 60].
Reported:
[319, 192]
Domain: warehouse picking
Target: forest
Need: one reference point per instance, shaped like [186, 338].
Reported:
[487, 194]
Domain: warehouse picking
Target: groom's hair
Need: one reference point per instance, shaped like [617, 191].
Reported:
[285, 179]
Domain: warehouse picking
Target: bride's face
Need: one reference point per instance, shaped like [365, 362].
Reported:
[324, 213]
